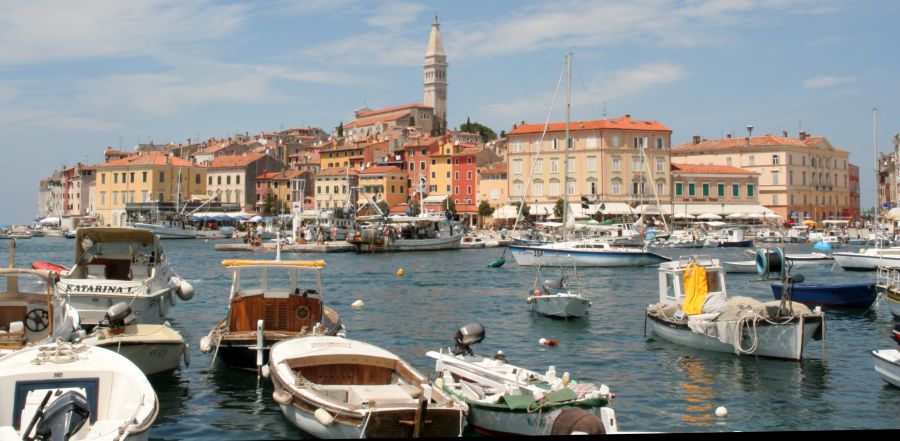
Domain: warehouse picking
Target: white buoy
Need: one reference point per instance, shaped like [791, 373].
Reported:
[205, 344]
[721, 412]
[357, 304]
[542, 341]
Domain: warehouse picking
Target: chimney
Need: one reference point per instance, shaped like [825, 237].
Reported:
[803, 136]
[784, 133]
[696, 139]
[627, 116]
[728, 136]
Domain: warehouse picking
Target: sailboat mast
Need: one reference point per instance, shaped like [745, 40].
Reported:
[565, 213]
[877, 176]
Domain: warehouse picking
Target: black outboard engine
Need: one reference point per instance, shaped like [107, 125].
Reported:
[117, 315]
[468, 335]
[63, 418]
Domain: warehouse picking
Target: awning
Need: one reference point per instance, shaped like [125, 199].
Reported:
[719, 209]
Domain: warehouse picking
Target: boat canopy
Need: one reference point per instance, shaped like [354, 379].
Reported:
[296, 263]
[110, 235]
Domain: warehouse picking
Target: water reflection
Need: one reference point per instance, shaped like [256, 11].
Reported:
[699, 393]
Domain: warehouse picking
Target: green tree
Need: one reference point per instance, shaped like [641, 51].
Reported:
[340, 129]
[384, 207]
[486, 133]
[270, 203]
[503, 133]
[450, 206]
[558, 208]
[484, 210]
[526, 210]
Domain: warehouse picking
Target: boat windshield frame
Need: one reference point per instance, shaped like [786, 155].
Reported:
[242, 271]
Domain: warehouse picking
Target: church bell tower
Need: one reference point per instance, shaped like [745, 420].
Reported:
[436, 76]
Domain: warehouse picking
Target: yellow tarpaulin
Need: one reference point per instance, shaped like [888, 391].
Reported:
[694, 289]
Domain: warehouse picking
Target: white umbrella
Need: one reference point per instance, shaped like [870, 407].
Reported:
[256, 218]
[683, 216]
[735, 216]
[709, 216]
[755, 216]
[772, 215]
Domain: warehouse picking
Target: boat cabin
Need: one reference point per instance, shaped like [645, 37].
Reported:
[286, 295]
[29, 307]
[115, 254]
[671, 278]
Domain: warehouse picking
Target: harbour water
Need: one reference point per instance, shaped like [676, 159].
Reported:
[659, 387]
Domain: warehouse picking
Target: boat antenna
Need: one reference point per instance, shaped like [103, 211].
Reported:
[565, 213]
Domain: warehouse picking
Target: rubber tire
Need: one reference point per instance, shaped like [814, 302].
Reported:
[574, 419]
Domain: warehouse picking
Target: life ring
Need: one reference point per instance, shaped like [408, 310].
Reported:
[302, 312]
[37, 320]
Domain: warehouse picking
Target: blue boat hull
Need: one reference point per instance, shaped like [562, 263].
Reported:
[848, 295]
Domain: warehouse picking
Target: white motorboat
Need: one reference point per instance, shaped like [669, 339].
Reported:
[583, 253]
[31, 310]
[694, 310]
[153, 348]
[477, 242]
[554, 298]
[121, 264]
[763, 258]
[332, 387]
[402, 233]
[888, 283]
[63, 391]
[887, 361]
[741, 266]
[868, 259]
[506, 399]
[270, 301]
[167, 231]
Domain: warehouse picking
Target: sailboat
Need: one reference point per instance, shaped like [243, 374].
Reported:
[169, 229]
[588, 252]
[554, 298]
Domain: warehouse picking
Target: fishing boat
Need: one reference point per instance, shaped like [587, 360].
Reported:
[868, 259]
[472, 242]
[121, 264]
[847, 295]
[66, 391]
[155, 349]
[164, 231]
[333, 387]
[32, 312]
[887, 361]
[270, 301]
[888, 283]
[553, 298]
[694, 310]
[732, 237]
[69, 234]
[583, 253]
[506, 399]
[406, 233]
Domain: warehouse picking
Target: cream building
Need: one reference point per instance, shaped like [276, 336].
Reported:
[144, 177]
[618, 162]
[233, 178]
[333, 186]
[799, 178]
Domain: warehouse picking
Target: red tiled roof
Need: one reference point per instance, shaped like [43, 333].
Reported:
[149, 158]
[336, 171]
[379, 169]
[468, 152]
[267, 176]
[623, 123]
[496, 169]
[234, 161]
[710, 169]
[755, 141]
[396, 108]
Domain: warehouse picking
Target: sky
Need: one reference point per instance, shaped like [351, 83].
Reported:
[76, 77]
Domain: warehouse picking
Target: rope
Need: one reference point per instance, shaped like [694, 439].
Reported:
[744, 321]
[61, 352]
[362, 433]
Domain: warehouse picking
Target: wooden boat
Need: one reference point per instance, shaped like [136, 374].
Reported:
[400, 233]
[694, 310]
[75, 392]
[270, 301]
[888, 282]
[332, 387]
[887, 361]
[155, 349]
[553, 298]
[31, 310]
[121, 264]
[848, 295]
[506, 399]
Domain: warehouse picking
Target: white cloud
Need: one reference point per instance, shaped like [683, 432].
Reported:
[602, 87]
[395, 14]
[826, 81]
[52, 30]
[29, 119]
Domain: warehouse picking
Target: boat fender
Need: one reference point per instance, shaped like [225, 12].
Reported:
[163, 307]
[530, 299]
[205, 344]
[186, 354]
[357, 304]
[537, 292]
[573, 419]
[282, 397]
[264, 371]
[323, 417]
[184, 289]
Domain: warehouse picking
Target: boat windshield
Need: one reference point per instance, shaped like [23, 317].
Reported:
[277, 281]
[118, 250]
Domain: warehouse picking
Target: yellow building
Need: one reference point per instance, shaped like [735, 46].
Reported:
[493, 185]
[383, 183]
[333, 187]
[145, 177]
[440, 178]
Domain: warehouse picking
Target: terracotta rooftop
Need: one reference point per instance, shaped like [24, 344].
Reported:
[495, 169]
[754, 141]
[623, 123]
[149, 158]
[710, 169]
[336, 171]
[379, 169]
[234, 161]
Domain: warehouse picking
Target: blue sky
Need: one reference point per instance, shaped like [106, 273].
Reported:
[76, 77]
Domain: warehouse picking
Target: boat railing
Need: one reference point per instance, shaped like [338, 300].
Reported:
[888, 278]
[702, 260]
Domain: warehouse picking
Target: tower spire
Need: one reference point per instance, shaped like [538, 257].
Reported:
[436, 76]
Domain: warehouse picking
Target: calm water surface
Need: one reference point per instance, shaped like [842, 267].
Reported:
[658, 386]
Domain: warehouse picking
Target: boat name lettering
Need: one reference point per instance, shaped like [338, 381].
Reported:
[101, 289]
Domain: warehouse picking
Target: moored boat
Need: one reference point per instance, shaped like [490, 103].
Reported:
[868, 259]
[32, 312]
[888, 283]
[506, 399]
[400, 233]
[121, 264]
[583, 253]
[332, 387]
[74, 391]
[553, 298]
[695, 311]
[887, 361]
[270, 301]
[848, 295]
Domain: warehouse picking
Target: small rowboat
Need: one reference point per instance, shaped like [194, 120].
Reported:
[58, 269]
[848, 295]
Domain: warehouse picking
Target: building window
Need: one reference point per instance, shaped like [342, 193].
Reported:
[592, 187]
[592, 163]
[538, 188]
[102, 197]
[115, 178]
[237, 179]
[616, 164]
[660, 164]
[640, 142]
[570, 165]
[616, 187]
[162, 176]
[752, 160]
[102, 178]
[660, 186]
[735, 190]
[455, 176]
[208, 180]
[554, 165]
[775, 160]
[679, 189]
[692, 189]
[468, 189]
[469, 176]
[728, 161]
[750, 190]
[615, 141]
[517, 188]
[433, 175]
[131, 177]
[706, 189]
[720, 190]
[554, 188]
[517, 166]
[538, 165]
[776, 178]
[591, 142]
[422, 165]
[637, 163]
[774, 199]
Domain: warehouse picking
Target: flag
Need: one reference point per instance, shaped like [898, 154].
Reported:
[584, 202]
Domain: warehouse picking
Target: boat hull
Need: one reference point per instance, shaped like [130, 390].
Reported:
[155, 349]
[147, 309]
[864, 262]
[892, 298]
[397, 245]
[495, 422]
[849, 295]
[737, 244]
[167, 232]
[560, 305]
[887, 365]
[539, 256]
[784, 341]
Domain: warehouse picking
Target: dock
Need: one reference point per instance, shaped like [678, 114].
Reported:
[327, 247]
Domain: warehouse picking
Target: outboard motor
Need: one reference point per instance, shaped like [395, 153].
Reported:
[63, 418]
[117, 315]
[470, 334]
